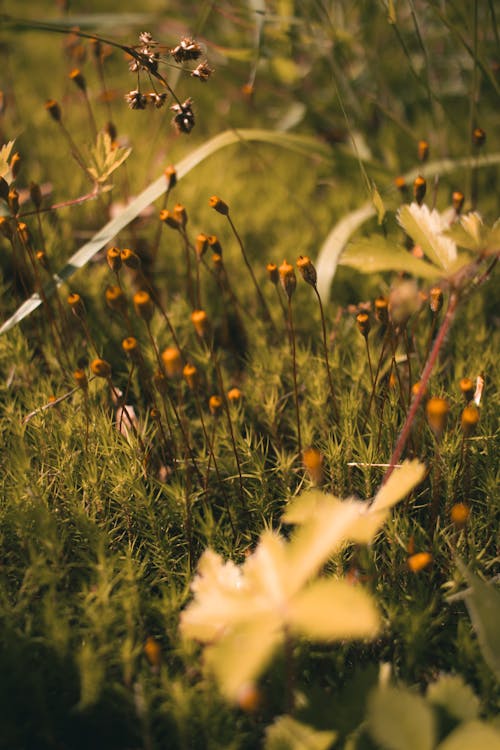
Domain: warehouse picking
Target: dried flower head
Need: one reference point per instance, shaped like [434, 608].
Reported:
[419, 188]
[307, 269]
[202, 72]
[53, 109]
[136, 100]
[287, 278]
[419, 561]
[234, 395]
[143, 305]
[219, 205]
[437, 411]
[187, 49]
[100, 368]
[157, 100]
[77, 77]
[458, 199]
[183, 119]
[172, 362]
[171, 176]
[130, 259]
[423, 150]
[115, 298]
[381, 306]
[201, 245]
[363, 321]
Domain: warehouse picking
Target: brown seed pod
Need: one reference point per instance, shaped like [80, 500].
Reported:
[419, 188]
[363, 321]
[470, 419]
[467, 387]
[115, 298]
[273, 273]
[130, 259]
[100, 368]
[114, 259]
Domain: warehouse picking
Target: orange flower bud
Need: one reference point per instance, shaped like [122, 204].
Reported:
[23, 232]
[437, 411]
[13, 200]
[214, 243]
[101, 368]
[191, 376]
[423, 151]
[76, 303]
[470, 418]
[115, 298]
[171, 177]
[53, 109]
[273, 273]
[458, 201]
[467, 388]
[419, 188]
[219, 205]
[152, 651]
[215, 405]
[460, 513]
[15, 164]
[143, 305]
[77, 77]
[114, 258]
[130, 259]
[287, 278]
[419, 561]
[436, 299]
[400, 183]
[199, 319]
[306, 268]
[313, 463]
[130, 346]
[381, 305]
[172, 362]
[363, 321]
[169, 219]
[201, 245]
[234, 395]
[478, 137]
[80, 379]
[180, 214]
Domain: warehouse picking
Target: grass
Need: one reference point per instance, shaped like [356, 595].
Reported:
[102, 529]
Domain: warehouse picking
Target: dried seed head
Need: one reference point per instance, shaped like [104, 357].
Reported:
[460, 513]
[157, 100]
[363, 321]
[478, 137]
[130, 346]
[458, 201]
[171, 177]
[130, 259]
[115, 298]
[470, 419]
[381, 306]
[306, 268]
[419, 561]
[219, 205]
[191, 376]
[201, 245]
[13, 201]
[152, 651]
[180, 214]
[169, 219]
[36, 194]
[187, 49]
[15, 164]
[287, 278]
[437, 411]
[215, 405]
[214, 244]
[313, 464]
[273, 273]
[172, 362]
[467, 387]
[114, 258]
[136, 100]
[76, 303]
[423, 151]
[53, 109]
[436, 299]
[143, 305]
[101, 368]
[77, 77]
[183, 119]
[202, 72]
[80, 378]
[419, 188]
[199, 319]
[234, 395]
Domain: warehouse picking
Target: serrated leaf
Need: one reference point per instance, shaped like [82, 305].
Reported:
[424, 227]
[451, 693]
[483, 605]
[376, 253]
[5, 153]
[474, 735]
[107, 157]
[288, 734]
[400, 720]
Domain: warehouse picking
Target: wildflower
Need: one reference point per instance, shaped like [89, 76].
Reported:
[363, 321]
[215, 405]
[202, 72]
[53, 109]
[184, 116]
[136, 100]
[313, 464]
[171, 176]
[191, 376]
[113, 256]
[130, 346]
[458, 201]
[234, 395]
[199, 319]
[180, 214]
[201, 245]
[76, 303]
[169, 219]
[244, 612]
[214, 243]
[115, 298]
[80, 379]
[423, 150]
[381, 305]
[157, 100]
[187, 49]
[77, 77]
[130, 259]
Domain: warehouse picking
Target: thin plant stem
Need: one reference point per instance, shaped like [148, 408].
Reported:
[325, 349]
[424, 380]
[294, 369]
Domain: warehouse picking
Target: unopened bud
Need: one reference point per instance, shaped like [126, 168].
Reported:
[80, 379]
[219, 205]
[234, 395]
[77, 77]
[437, 411]
[130, 346]
[76, 303]
[363, 321]
[423, 151]
[458, 201]
[152, 651]
[215, 405]
[15, 165]
[171, 177]
[419, 188]
[214, 243]
[172, 362]
[201, 245]
[381, 306]
[478, 137]
[130, 259]
[313, 464]
[53, 109]
[115, 298]
[13, 201]
[273, 273]
[287, 278]
[191, 376]
[199, 319]
[306, 268]
[169, 219]
[101, 368]
[467, 387]
[419, 561]
[143, 305]
[180, 214]
[460, 513]
[114, 259]
[470, 419]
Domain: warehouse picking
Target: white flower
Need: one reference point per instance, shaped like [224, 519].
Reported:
[427, 228]
[244, 612]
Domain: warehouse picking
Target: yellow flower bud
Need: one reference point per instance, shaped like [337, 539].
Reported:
[76, 303]
[419, 188]
[467, 388]
[313, 464]
[191, 376]
[114, 258]
[171, 177]
[130, 259]
[199, 319]
[273, 273]
[287, 278]
[423, 151]
[437, 411]
[101, 368]
[115, 298]
[460, 513]
[143, 305]
[234, 395]
[419, 561]
[306, 268]
[215, 405]
[53, 109]
[470, 418]
[219, 205]
[172, 362]
[201, 245]
[363, 321]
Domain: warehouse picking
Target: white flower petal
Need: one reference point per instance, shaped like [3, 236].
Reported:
[426, 229]
[400, 483]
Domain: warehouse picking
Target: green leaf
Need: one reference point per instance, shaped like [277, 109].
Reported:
[378, 204]
[5, 153]
[451, 693]
[400, 720]
[303, 145]
[288, 734]
[483, 604]
[376, 253]
[474, 735]
[106, 158]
